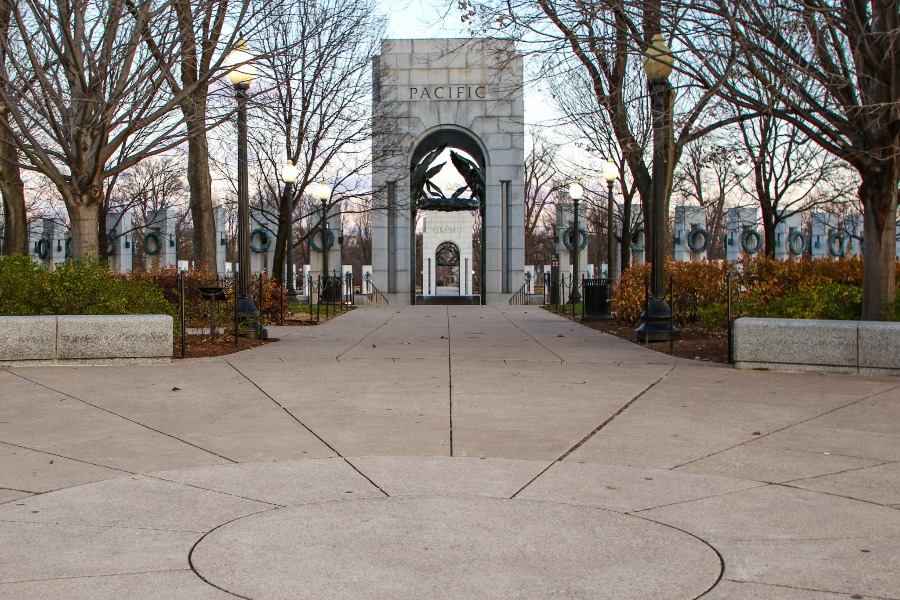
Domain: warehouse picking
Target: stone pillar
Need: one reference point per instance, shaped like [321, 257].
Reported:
[822, 226]
[61, 242]
[346, 270]
[305, 276]
[220, 216]
[853, 230]
[564, 221]
[688, 219]
[121, 241]
[40, 247]
[783, 235]
[263, 231]
[739, 220]
[163, 223]
[530, 277]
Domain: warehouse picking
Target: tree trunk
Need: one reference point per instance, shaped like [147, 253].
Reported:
[625, 249]
[285, 213]
[769, 224]
[84, 217]
[878, 194]
[102, 233]
[200, 184]
[15, 231]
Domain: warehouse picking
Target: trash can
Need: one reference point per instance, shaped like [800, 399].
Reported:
[331, 290]
[596, 299]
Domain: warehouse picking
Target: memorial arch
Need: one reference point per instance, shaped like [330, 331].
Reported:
[445, 105]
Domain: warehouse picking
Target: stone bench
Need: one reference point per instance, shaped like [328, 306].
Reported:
[85, 339]
[863, 347]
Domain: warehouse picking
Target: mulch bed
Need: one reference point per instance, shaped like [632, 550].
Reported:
[695, 342]
[201, 346]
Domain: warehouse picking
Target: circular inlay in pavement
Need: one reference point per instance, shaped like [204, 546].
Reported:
[414, 547]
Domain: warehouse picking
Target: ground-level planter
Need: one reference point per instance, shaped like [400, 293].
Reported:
[85, 339]
[863, 347]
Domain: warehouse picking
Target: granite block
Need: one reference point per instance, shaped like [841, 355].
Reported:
[795, 341]
[878, 345]
[27, 338]
[114, 336]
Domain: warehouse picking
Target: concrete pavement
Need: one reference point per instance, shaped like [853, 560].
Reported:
[447, 452]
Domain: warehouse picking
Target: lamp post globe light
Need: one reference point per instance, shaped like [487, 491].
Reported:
[658, 62]
[241, 74]
[575, 193]
[323, 192]
[289, 175]
[611, 174]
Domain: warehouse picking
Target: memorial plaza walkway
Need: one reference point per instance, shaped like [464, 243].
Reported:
[447, 452]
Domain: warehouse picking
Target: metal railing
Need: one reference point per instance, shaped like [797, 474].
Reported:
[373, 296]
[521, 297]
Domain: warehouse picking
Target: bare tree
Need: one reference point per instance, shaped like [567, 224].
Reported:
[541, 185]
[89, 93]
[789, 174]
[319, 55]
[152, 185]
[15, 225]
[591, 129]
[832, 69]
[707, 175]
[200, 28]
[602, 44]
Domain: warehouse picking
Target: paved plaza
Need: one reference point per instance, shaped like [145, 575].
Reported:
[447, 452]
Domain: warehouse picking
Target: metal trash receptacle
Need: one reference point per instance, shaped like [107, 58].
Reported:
[596, 299]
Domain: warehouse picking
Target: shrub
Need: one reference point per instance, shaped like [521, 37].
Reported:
[807, 289]
[24, 286]
[79, 287]
[823, 301]
[713, 316]
[696, 284]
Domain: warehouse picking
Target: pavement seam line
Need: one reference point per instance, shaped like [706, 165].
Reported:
[841, 472]
[536, 341]
[199, 540]
[100, 526]
[802, 489]
[794, 587]
[85, 462]
[138, 423]
[594, 432]
[97, 576]
[363, 338]
[222, 492]
[767, 434]
[708, 544]
[306, 427]
[760, 484]
[614, 415]
[367, 478]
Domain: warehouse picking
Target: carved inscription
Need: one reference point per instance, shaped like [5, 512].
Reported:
[448, 92]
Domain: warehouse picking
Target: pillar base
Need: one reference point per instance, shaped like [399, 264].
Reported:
[657, 326]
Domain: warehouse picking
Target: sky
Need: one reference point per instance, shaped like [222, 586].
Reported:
[422, 19]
